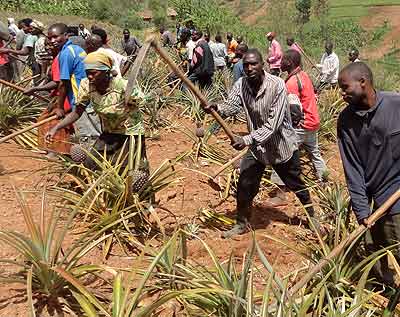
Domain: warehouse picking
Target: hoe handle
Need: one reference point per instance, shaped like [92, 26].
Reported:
[379, 213]
[203, 101]
[35, 125]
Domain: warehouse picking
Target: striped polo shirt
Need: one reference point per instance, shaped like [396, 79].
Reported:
[271, 137]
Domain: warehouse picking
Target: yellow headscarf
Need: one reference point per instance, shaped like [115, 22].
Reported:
[98, 61]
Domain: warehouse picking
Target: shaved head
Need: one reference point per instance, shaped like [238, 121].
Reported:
[60, 28]
[358, 71]
[93, 43]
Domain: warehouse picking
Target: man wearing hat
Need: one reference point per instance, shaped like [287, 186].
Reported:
[42, 58]
[274, 54]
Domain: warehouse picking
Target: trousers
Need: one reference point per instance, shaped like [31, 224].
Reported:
[251, 171]
[385, 233]
[309, 141]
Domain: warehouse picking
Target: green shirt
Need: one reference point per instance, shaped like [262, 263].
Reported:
[110, 107]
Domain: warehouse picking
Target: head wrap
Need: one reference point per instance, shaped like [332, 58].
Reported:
[98, 61]
[37, 25]
[272, 34]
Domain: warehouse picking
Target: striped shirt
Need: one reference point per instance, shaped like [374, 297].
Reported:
[272, 139]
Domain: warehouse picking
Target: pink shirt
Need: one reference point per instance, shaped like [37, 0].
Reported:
[295, 47]
[274, 55]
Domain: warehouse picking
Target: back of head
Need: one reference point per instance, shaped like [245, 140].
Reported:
[93, 43]
[102, 33]
[218, 38]
[242, 49]
[26, 21]
[294, 56]
[358, 71]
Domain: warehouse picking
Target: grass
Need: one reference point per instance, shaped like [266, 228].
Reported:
[356, 8]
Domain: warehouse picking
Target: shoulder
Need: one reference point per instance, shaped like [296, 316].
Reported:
[345, 116]
[119, 83]
[274, 81]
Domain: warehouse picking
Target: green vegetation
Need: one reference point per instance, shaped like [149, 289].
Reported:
[356, 8]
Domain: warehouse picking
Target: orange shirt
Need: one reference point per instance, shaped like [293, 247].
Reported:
[231, 47]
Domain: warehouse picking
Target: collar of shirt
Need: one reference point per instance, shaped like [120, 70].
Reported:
[262, 88]
[363, 113]
[66, 44]
[294, 72]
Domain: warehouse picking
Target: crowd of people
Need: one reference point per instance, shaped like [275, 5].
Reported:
[282, 115]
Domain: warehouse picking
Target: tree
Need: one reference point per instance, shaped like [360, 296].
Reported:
[304, 10]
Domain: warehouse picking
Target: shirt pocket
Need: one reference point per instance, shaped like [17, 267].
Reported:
[395, 144]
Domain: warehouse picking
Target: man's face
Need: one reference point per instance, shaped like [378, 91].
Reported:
[126, 35]
[270, 38]
[286, 63]
[352, 90]
[229, 37]
[353, 56]
[195, 36]
[56, 38]
[252, 67]
[289, 42]
[328, 48]
[26, 28]
[81, 26]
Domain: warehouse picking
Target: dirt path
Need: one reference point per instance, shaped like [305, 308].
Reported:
[376, 18]
[183, 201]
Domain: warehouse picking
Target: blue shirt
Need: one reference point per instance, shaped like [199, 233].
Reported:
[72, 68]
[369, 144]
[238, 71]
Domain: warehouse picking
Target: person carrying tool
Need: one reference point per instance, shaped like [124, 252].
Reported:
[292, 45]
[271, 138]
[107, 96]
[28, 46]
[72, 72]
[369, 138]
[274, 54]
[305, 118]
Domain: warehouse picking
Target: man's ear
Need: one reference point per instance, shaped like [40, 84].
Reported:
[362, 82]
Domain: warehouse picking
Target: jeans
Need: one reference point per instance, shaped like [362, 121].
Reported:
[251, 172]
[309, 141]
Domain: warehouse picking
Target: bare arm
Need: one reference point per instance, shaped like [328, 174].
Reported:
[22, 52]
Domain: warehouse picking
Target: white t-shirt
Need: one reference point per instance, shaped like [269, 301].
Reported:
[190, 47]
[330, 68]
[117, 58]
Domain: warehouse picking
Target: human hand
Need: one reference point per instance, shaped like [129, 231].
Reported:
[238, 143]
[29, 91]
[211, 107]
[367, 224]
[49, 137]
[60, 113]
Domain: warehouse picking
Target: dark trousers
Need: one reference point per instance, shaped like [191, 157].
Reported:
[251, 172]
[385, 233]
[203, 80]
[116, 147]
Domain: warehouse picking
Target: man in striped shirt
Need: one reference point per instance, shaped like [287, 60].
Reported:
[271, 139]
